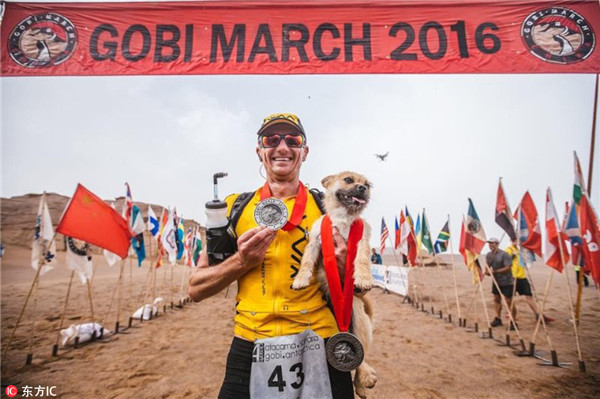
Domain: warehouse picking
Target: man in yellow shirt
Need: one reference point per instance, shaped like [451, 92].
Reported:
[267, 261]
[523, 288]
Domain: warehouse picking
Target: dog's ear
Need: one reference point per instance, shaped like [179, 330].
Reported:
[327, 180]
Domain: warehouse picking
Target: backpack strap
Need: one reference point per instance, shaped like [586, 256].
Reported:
[319, 197]
[237, 208]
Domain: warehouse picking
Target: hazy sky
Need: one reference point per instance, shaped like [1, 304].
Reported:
[449, 136]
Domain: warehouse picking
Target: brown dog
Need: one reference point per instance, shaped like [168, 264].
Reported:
[347, 194]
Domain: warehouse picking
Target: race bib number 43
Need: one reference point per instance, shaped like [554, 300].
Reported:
[290, 367]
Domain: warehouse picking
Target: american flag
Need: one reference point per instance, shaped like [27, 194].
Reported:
[384, 235]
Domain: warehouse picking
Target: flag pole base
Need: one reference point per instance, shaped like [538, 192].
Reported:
[526, 353]
[117, 327]
[582, 366]
[29, 359]
[130, 322]
[450, 318]
[55, 350]
[553, 362]
[142, 317]
[441, 316]
[432, 310]
[164, 308]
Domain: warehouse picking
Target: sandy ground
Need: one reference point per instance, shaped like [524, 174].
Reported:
[182, 352]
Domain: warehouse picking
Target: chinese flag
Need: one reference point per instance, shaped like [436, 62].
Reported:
[92, 220]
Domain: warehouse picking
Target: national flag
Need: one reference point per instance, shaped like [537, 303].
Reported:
[418, 234]
[590, 233]
[579, 185]
[474, 234]
[128, 209]
[153, 224]
[111, 257]
[426, 236]
[197, 246]
[529, 231]
[187, 252]
[470, 257]
[556, 257]
[408, 218]
[180, 238]
[92, 220]
[79, 259]
[384, 235]
[164, 218]
[397, 233]
[168, 238]
[503, 214]
[441, 244]
[138, 225]
[41, 253]
[571, 229]
[137, 243]
[408, 244]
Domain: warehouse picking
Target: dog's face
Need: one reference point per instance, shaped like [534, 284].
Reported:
[348, 190]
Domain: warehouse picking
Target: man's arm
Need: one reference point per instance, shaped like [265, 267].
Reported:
[209, 280]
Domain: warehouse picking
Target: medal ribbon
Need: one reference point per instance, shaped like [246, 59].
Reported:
[297, 210]
[340, 299]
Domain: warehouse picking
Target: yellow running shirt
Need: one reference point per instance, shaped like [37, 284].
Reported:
[517, 269]
[266, 305]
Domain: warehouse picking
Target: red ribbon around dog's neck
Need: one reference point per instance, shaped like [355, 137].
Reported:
[299, 205]
[340, 299]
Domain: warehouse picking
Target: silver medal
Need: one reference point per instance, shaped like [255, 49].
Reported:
[344, 351]
[272, 213]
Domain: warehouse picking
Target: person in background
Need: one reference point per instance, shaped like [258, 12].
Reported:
[500, 263]
[522, 286]
[375, 257]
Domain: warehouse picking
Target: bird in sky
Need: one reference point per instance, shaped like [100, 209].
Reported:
[382, 157]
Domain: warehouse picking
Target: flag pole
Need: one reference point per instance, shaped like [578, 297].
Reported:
[593, 141]
[454, 274]
[62, 315]
[120, 286]
[440, 277]
[33, 317]
[35, 278]
[485, 309]
[468, 313]
[541, 320]
[507, 308]
[567, 276]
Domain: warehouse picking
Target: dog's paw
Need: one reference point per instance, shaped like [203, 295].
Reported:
[369, 378]
[300, 283]
[365, 378]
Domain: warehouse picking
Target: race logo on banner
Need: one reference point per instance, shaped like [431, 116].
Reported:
[42, 40]
[558, 35]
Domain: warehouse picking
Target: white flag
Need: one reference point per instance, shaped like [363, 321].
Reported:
[78, 259]
[153, 225]
[44, 232]
[168, 238]
[111, 258]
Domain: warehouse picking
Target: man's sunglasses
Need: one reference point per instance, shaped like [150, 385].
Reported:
[273, 140]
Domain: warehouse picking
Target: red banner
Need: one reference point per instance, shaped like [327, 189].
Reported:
[307, 37]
